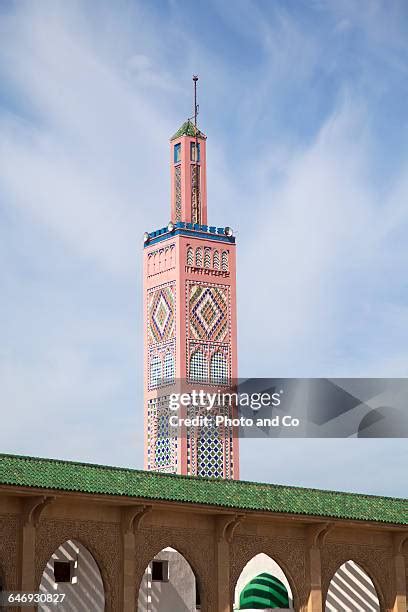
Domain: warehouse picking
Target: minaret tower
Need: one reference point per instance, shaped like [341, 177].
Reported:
[190, 335]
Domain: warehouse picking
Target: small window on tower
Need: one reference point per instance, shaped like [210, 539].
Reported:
[177, 153]
[193, 151]
[160, 571]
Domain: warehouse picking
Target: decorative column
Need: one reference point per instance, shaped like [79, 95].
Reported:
[225, 528]
[400, 601]
[315, 539]
[33, 508]
[132, 517]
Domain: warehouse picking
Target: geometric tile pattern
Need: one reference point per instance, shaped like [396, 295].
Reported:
[162, 440]
[218, 369]
[177, 180]
[208, 312]
[198, 370]
[209, 449]
[162, 454]
[195, 194]
[210, 463]
[161, 364]
[161, 319]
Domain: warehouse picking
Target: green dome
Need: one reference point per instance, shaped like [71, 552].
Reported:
[264, 591]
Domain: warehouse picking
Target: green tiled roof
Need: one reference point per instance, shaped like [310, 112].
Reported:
[240, 495]
[187, 129]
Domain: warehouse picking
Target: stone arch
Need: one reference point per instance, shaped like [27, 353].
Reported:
[83, 586]
[352, 588]
[195, 547]
[259, 564]
[101, 540]
[179, 588]
[288, 555]
[375, 562]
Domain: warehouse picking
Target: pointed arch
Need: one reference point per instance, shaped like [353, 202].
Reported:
[190, 256]
[199, 257]
[352, 590]
[263, 584]
[224, 261]
[155, 372]
[198, 367]
[73, 571]
[207, 257]
[216, 260]
[170, 582]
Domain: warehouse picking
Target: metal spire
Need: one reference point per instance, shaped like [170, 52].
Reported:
[196, 196]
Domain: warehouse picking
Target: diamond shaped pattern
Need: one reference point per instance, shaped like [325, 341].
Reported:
[208, 313]
[161, 314]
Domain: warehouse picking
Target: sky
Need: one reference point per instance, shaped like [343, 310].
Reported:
[304, 106]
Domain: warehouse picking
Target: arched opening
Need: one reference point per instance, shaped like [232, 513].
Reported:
[190, 256]
[198, 367]
[155, 372]
[169, 584]
[352, 590]
[73, 571]
[169, 368]
[262, 585]
[199, 257]
[224, 261]
[207, 257]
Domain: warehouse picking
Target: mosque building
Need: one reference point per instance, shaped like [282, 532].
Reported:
[185, 534]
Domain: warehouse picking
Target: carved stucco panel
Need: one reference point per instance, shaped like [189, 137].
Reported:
[377, 562]
[9, 538]
[288, 553]
[103, 541]
[197, 547]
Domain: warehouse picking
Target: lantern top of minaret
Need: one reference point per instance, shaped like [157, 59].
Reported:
[188, 129]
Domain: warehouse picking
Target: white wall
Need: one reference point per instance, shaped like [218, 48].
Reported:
[177, 595]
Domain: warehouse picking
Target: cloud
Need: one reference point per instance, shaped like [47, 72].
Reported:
[306, 162]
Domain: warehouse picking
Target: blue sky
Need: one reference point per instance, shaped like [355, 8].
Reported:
[304, 105]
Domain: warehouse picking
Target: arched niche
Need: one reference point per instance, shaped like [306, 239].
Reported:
[72, 571]
[168, 584]
[263, 582]
[352, 590]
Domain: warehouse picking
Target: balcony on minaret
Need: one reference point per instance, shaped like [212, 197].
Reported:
[188, 175]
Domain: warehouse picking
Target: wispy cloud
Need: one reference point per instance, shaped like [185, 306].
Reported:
[306, 160]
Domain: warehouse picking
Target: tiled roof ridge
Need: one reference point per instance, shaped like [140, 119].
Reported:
[179, 477]
[188, 129]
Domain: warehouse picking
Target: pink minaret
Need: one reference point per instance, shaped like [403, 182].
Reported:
[190, 338]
